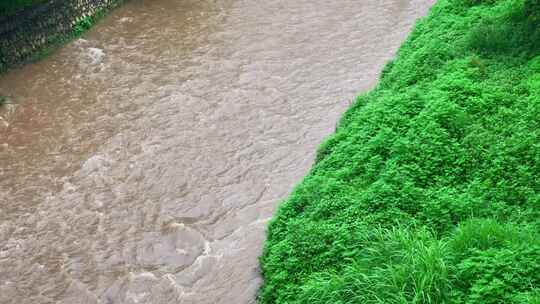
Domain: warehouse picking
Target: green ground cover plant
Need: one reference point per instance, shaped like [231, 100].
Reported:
[429, 190]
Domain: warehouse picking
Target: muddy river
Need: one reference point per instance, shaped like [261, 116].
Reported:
[141, 164]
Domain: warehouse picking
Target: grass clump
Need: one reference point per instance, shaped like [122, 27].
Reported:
[429, 191]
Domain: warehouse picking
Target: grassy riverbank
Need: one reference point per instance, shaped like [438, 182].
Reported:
[429, 191]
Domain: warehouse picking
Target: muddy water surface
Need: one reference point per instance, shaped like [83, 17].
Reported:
[141, 164]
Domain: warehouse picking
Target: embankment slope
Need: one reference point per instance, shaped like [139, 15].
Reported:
[429, 190]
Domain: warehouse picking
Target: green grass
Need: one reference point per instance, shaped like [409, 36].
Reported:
[429, 190]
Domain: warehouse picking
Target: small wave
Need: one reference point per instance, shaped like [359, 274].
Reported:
[96, 55]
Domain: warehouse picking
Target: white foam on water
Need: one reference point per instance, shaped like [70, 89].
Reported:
[96, 55]
[125, 19]
[80, 42]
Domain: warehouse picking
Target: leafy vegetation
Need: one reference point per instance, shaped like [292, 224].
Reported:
[429, 190]
[9, 7]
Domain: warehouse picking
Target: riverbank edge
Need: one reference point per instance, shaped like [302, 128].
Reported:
[34, 33]
[428, 190]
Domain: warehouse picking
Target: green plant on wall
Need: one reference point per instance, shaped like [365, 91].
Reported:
[83, 25]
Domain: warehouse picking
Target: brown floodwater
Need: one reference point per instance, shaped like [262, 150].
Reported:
[141, 164]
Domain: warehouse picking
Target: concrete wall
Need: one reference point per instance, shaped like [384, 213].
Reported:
[31, 31]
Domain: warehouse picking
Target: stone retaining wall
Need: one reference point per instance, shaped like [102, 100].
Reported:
[32, 31]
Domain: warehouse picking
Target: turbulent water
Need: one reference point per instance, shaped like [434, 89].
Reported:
[142, 163]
